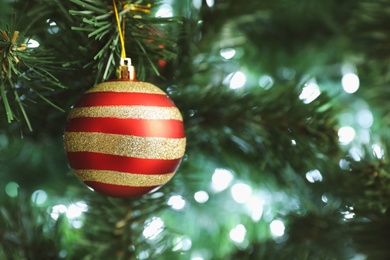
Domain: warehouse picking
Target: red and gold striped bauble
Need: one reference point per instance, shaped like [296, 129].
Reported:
[124, 138]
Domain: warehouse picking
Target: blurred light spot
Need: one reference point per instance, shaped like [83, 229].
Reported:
[191, 112]
[63, 254]
[182, 243]
[256, 206]
[347, 68]
[143, 255]
[277, 228]
[156, 195]
[31, 43]
[364, 135]
[365, 118]
[210, 3]
[12, 189]
[165, 11]
[39, 197]
[344, 164]
[53, 29]
[310, 92]
[293, 142]
[197, 258]
[324, 198]
[221, 179]
[348, 214]
[76, 210]
[228, 53]
[57, 210]
[238, 233]
[266, 82]
[359, 257]
[378, 151]
[346, 134]
[313, 176]
[176, 202]
[201, 196]
[350, 82]
[286, 73]
[77, 224]
[153, 227]
[197, 4]
[237, 80]
[356, 153]
[241, 192]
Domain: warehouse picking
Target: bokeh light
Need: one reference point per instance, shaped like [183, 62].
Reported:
[277, 228]
[238, 80]
[255, 206]
[11, 189]
[221, 179]
[153, 227]
[350, 83]
[183, 243]
[57, 210]
[176, 202]
[165, 11]
[238, 233]
[346, 134]
[241, 192]
[365, 118]
[53, 27]
[197, 4]
[39, 197]
[228, 53]
[210, 3]
[266, 82]
[314, 176]
[310, 92]
[379, 152]
[201, 196]
[75, 210]
[31, 43]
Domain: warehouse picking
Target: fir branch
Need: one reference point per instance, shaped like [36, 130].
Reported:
[23, 68]
[142, 36]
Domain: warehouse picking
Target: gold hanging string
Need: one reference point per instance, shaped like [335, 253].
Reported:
[123, 53]
[126, 71]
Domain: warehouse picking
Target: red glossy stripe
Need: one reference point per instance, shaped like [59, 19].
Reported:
[118, 190]
[98, 161]
[136, 127]
[124, 99]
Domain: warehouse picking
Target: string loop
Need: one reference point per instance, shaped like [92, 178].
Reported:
[123, 53]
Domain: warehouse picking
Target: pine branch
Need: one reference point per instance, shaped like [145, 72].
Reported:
[145, 44]
[23, 70]
[26, 232]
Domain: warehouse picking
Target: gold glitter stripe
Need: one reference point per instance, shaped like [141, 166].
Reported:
[126, 86]
[125, 179]
[134, 112]
[125, 145]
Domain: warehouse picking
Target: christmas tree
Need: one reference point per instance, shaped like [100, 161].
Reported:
[285, 115]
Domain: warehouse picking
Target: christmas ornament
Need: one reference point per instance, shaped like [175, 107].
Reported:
[124, 138]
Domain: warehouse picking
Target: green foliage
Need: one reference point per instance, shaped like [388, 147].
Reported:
[25, 76]
[332, 197]
[26, 231]
[145, 43]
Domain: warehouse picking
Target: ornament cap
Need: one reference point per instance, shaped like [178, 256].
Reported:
[126, 70]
